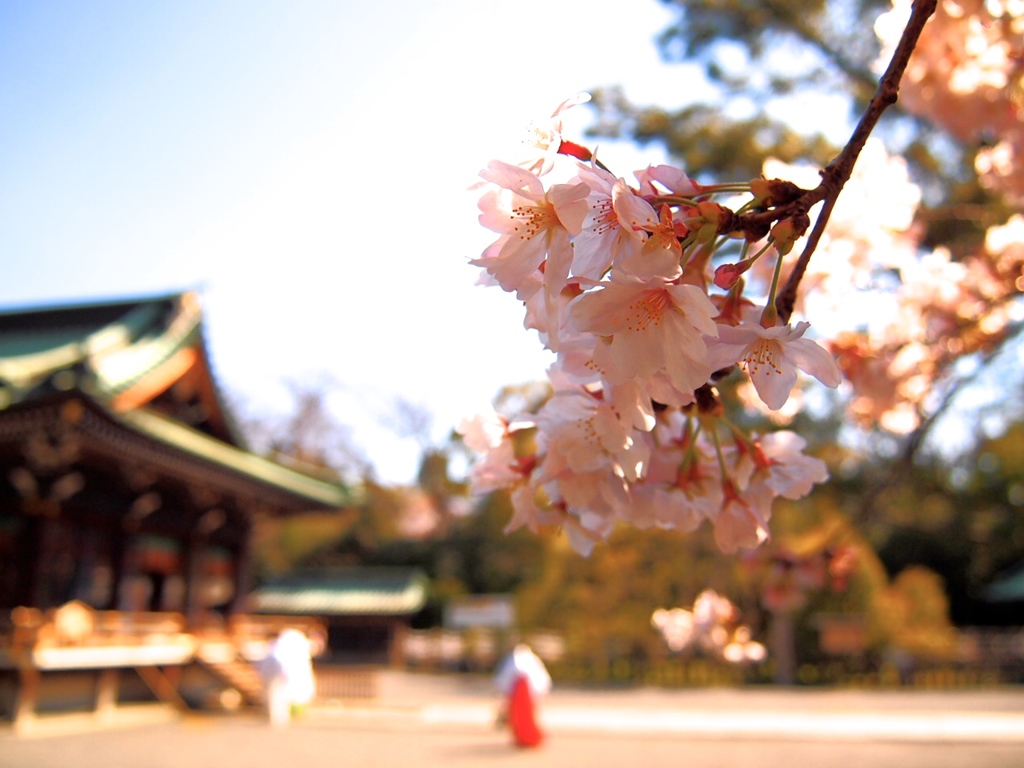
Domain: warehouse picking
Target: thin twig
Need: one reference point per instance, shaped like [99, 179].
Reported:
[834, 177]
[838, 172]
[867, 508]
[786, 299]
[917, 437]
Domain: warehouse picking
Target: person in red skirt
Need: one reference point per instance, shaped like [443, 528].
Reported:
[523, 680]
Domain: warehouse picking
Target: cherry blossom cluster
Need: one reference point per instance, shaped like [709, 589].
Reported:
[928, 309]
[965, 76]
[712, 626]
[641, 290]
[787, 579]
[943, 311]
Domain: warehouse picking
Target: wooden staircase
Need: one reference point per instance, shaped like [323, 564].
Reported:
[228, 651]
[223, 660]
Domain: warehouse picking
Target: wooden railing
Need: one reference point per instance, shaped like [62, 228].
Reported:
[76, 624]
[27, 632]
[256, 627]
[38, 643]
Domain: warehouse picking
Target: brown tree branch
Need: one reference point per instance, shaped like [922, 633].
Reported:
[837, 173]
[867, 509]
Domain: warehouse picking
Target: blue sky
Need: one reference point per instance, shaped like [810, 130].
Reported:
[304, 165]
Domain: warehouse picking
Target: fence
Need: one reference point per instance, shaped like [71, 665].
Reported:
[346, 683]
[987, 658]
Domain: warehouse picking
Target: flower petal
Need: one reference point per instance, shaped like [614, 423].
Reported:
[773, 386]
[811, 358]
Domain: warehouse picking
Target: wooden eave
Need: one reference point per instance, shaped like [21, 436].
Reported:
[174, 451]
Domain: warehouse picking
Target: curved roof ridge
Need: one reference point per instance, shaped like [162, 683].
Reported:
[37, 342]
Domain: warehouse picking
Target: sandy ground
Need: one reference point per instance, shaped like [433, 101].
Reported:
[449, 721]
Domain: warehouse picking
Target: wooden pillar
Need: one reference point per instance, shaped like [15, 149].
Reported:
[118, 568]
[83, 582]
[156, 597]
[28, 555]
[41, 543]
[395, 639]
[243, 572]
[107, 691]
[28, 697]
[782, 646]
[193, 558]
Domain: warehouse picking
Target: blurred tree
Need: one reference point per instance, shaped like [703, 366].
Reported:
[768, 61]
[781, 72]
[309, 433]
[916, 611]
[956, 509]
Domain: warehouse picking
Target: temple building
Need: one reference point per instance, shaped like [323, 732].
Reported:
[125, 488]
[366, 612]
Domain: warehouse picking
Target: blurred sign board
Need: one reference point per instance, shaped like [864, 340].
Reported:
[469, 611]
[841, 635]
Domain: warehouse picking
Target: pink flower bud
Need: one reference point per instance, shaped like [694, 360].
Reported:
[727, 275]
[573, 149]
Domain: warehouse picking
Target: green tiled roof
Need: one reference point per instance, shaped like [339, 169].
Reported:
[148, 438]
[195, 443]
[1009, 589]
[113, 343]
[345, 592]
[96, 351]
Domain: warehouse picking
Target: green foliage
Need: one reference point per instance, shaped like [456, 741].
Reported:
[915, 612]
[602, 604]
[1007, 451]
[282, 543]
[714, 145]
[829, 41]
[963, 521]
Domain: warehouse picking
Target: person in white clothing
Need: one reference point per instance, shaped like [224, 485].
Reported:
[522, 661]
[523, 680]
[288, 676]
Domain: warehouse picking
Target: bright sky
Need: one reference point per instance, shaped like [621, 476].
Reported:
[303, 165]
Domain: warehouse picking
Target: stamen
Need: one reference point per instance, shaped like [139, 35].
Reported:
[534, 220]
[647, 311]
[605, 220]
[766, 352]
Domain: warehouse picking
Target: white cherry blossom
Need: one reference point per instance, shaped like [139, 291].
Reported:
[603, 239]
[772, 356]
[535, 225]
[649, 328]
